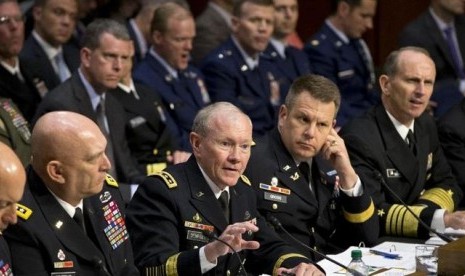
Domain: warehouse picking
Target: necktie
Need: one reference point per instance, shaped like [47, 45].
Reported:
[79, 218]
[304, 169]
[102, 123]
[363, 51]
[411, 141]
[61, 67]
[224, 202]
[454, 52]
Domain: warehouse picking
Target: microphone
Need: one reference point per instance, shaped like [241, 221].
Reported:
[212, 236]
[277, 224]
[380, 178]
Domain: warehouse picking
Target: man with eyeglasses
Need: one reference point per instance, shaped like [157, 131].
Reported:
[47, 45]
[16, 80]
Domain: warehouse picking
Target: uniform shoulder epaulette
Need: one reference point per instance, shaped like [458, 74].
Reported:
[111, 181]
[22, 211]
[245, 180]
[168, 178]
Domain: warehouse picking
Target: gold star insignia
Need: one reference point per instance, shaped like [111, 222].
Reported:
[450, 192]
[381, 213]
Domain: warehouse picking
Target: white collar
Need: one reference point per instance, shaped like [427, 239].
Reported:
[49, 50]
[401, 129]
[215, 189]
[279, 46]
[342, 36]
[250, 61]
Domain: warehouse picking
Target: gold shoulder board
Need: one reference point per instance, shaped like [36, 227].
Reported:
[22, 211]
[168, 178]
[245, 180]
[111, 181]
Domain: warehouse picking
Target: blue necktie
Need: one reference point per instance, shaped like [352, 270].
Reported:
[454, 52]
[63, 72]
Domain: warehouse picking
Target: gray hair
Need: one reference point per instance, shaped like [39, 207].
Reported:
[390, 67]
[98, 27]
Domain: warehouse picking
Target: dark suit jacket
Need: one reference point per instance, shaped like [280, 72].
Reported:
[43, 68]
[180, 203]
[315, 221]
[149, 128]
[229, 79]
[5, 258]
[138, 56]
[378, 153]
[183, 97]
[23, 94]
[211, 31]
[72, 96]
[329, 56]
[452, 137]
[50, 241]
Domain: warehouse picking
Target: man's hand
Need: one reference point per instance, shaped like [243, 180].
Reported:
[302, 269]
[232, 235]
[178, 157]
[455, 220]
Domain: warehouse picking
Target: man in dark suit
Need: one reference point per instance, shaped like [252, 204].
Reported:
[441, 31]
[452, 137]
[72, 214]
[338, 52]
[16, 81]
[324, 205]
[290, 62]
[54, 23]
[171, 214]
[396, 145]
[212, 28]
[166, 67]
[11, 190]
[106, 51]
[236, 72]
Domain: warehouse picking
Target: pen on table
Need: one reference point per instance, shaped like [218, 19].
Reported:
[386, 254]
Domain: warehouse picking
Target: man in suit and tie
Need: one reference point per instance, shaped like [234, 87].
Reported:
[71, 214]
[396, 145]
[11, 191]
[236, 72]
[106, 50]
[16, 79]
[338, 52]
[289, 61]
[441, 31]
[55, 59]
[166, 67]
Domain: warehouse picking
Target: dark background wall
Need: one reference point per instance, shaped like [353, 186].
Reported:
[391, 17]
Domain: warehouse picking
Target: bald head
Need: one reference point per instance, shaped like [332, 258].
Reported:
[12, 180]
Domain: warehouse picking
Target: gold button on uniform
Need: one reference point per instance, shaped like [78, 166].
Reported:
[155, 151]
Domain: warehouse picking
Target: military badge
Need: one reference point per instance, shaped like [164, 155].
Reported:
[105, 197]
[274, 181]
[58, 224]
[275, 189]
[199, 226]
[197, 218]
[392, 173]
[5, 269]
[61, 255]
[115, 230]
[295, 176]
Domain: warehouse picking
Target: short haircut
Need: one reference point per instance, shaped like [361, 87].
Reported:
[202, 125]
[166, 11]
[98, 27]
[351, 3]
[390, 67]
[237, 9]
[41, 3]
[319, 87]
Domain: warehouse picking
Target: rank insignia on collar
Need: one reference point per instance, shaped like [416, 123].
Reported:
[295, 176]
[168, 78]
[197, 218]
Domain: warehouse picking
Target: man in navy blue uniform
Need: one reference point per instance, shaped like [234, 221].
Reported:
[11, 190]
[236, 72]
[166, 67]
[323, 205]
[290, 62]
[171, 213]
[338, 52]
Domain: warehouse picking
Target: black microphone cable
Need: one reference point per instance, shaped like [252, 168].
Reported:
[276, 223]
[385, 185]
[212, 236]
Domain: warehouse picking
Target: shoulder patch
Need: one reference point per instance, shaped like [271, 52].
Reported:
[111, 181]
[246, 180]
[22, 211]
[168, 178]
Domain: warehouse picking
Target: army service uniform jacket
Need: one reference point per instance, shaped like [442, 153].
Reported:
[326, 219]
[47, 241]
[168, 213]
[5, 258]
[424, 181]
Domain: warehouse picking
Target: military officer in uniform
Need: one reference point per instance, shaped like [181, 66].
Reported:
[338, 52]
[11, 190]
[172, 215]
[302, 174]
[71, 214]
[166, 67]
[237, 73]
[14, 130]
[395, 150]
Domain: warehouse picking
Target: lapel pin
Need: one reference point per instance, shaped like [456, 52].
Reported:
[295, 176]
[58, 224]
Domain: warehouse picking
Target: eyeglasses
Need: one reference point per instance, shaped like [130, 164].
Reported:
[6, 19]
